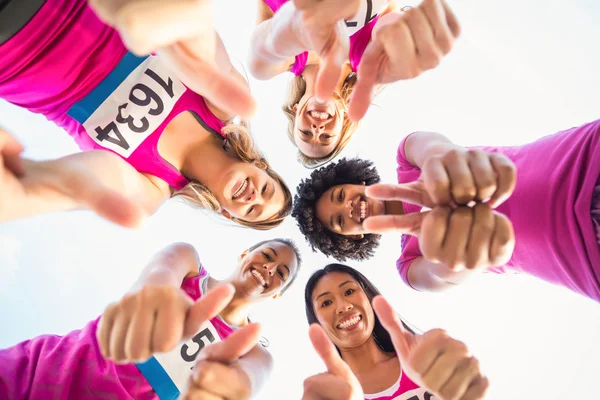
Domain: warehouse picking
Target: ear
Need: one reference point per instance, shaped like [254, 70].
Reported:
[225, 213]
[295, 107]
[357, 237]
[278, 295]
[243, 255]
[364, 183]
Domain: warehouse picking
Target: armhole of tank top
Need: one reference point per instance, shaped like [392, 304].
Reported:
[204, 124]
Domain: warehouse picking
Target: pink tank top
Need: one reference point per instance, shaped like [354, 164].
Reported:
[71, 67]
[403, 389]
[71, 366]
[359, 29]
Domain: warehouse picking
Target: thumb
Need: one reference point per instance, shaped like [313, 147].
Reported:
[328, 353]
[234, 347]
[206, 308]
[401, 338]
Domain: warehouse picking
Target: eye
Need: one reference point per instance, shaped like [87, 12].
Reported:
[267, 256]
[326, 136]
[280, 273]
[306, 133]
[264, 189]
[250, 211]
[348, 292]
[341, 222]
[326, 303]
[341, 195]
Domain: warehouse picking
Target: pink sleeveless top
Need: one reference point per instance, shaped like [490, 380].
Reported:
[71, 67]
[359, 29]
[72, 367]
[403, 389]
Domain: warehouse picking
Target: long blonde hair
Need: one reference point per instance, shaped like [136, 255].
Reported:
[297, 90]
[239, 144]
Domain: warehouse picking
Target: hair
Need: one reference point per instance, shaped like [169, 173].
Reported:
[239, 144]
[290, 243]
[319, 237]
[297, 90]
[381, 336]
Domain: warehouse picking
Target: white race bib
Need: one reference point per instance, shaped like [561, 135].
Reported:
[368, 10]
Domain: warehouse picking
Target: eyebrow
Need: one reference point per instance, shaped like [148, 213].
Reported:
[340, 285]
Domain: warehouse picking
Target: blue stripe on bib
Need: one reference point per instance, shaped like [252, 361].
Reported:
[158, 378]
[82, 110]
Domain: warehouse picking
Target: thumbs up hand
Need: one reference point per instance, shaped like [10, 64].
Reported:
[338, 382]
[434, 360]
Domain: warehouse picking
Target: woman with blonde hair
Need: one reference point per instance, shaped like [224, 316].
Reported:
[341, 50]
[146, 132]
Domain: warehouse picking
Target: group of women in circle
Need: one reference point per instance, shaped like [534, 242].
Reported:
[148, 92]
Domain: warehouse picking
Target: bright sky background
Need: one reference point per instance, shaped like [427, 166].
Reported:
[521, 70]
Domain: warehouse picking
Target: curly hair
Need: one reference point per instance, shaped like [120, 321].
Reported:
[345, 171]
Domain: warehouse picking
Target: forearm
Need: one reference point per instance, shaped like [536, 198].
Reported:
[421, 145]
[258, 364]
[424, 275]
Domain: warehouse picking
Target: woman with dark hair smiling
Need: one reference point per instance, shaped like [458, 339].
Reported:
[378, 356]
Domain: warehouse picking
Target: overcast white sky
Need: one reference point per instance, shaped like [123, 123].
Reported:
[521, 70]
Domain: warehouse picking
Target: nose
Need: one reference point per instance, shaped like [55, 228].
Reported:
[344, 307]
[251, 195]
[270, 268]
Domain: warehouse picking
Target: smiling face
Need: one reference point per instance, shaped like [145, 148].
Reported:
[343, 208]
[343, 310]
[249, 193]
[317, 126]
[266, 270]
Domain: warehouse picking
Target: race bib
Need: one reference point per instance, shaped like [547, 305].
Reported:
[368, 10]
[129, 104]
[168, 372]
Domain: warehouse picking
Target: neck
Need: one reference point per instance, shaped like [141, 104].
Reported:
[394, 207]
[365, 356]
[236, 312]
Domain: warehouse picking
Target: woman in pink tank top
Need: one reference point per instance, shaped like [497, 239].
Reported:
[145, 346]
[146, 133]
[338, 50]
[375, 355]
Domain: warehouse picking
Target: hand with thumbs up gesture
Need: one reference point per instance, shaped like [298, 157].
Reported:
[434, 360]
[228, 369]
[339, 382]
[155, 318]
[181, 32]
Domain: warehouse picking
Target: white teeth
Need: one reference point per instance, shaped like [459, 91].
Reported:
[241, 189]
[363, 209]
[348, 323]
[259, 277]
[319, 115]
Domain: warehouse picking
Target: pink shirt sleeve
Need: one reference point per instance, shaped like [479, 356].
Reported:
[410, 244]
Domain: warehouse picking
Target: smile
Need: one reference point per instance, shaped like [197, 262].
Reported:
[321, 116]
[350, 323]
[361, 209]
[238, 193]
[259, 278]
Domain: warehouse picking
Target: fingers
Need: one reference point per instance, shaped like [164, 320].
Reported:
[326, 386]
[209, 305]
[409, 224]
[466, 372]
[451, 19]
[168, 318]
[117, 338]
[477, 390]
[235, 346]
[503, 241]
[506, 174]
[328, 353]
[414, 193]
[478, 249]
[104, 329]
[454, 247]
[437, 181]
[139, 336]
[427, 51]
[10, 150]
[430, 346]
[401, 339]
[448, 362]
[368, 75]
[443, 22]
[433, 233]
[218, 379]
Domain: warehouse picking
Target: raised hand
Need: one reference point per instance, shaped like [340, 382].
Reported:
[434, 360]
[324, 30]
[459, 238]
[218, 374]
[182, 33]
[30, 187]
[338, 382]
[402, 47]
[155, 319]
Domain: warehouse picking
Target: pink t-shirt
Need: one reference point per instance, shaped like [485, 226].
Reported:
[403, 389]
[72, 367]
[549, 209]
[72, 68]
[359, 29]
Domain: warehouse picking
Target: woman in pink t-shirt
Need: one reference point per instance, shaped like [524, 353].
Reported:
[151, 126]
[537, 210]
[376, 355]
[145, 346]
[336, 48]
